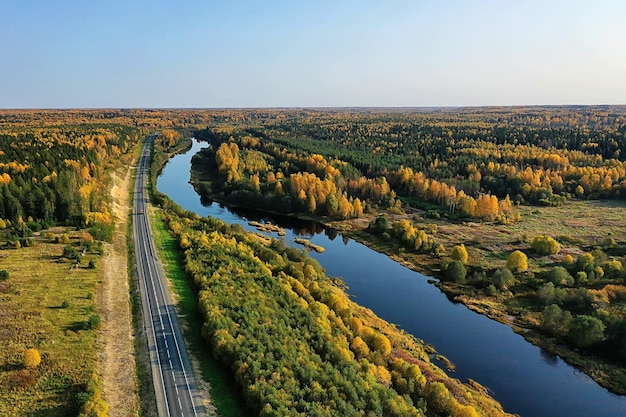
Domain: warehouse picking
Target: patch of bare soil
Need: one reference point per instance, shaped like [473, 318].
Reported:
[116, 361]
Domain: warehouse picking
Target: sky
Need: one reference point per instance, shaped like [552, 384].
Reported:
[313, 53]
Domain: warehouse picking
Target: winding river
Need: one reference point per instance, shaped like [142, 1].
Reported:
[524, 378]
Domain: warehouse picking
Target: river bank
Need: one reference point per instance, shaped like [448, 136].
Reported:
[521, 318]
[610, 376]
[481, 349]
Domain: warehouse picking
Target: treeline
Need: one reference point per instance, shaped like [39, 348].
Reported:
[264, 175]
[468, 164]
[298, 345]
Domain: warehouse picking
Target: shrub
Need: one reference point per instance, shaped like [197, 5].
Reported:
[92, 323]
[585, 262]
[438, 398]
[456, 271]
[69, 252]
[545, 294]
[545, 245]
[559, 276]
[555, 320]
[102, 232]
[459, 253]
[491, 290]
[32, 359]
[503, 279]
[613, 268]
[568, 260]
[4, 274]
[517, 261]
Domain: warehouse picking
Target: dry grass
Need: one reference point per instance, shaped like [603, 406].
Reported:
[31, 315]
[116, 364]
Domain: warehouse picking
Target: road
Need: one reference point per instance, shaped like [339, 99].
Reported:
[174, 383]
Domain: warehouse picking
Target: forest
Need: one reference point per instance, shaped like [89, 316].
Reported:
[294, 341]
[439, 188]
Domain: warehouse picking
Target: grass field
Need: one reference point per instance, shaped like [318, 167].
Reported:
[45, 304]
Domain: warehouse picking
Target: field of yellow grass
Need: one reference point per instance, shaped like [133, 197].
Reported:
[45, 304]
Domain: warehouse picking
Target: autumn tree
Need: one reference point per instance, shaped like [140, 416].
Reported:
[545, 245]
[459, 253]
[517, 261]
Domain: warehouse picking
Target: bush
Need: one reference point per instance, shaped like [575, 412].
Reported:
[69, 252]
[64, 238]
[4, 274]
[585, 262]
[491, 290]
[32, 359]
[568, 260]
[559, 276]
[456, 271]
[613, 269]
[545, 294]
[503, 279]
[102, 232]
[545, 245]
[555, 320]
[517, 261]
[92, 323]
[459, 253]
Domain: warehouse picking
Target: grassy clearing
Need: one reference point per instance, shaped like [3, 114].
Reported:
[579, 226]
[45, 304]
[223, 392]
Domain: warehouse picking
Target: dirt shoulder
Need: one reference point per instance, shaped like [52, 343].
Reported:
[116, 364]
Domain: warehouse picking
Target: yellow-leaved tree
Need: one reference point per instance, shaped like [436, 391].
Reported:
[460, 253]
[517, 261]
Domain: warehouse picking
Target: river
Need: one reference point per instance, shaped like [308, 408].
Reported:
[525, 379]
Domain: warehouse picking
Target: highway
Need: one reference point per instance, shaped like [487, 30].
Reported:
[174, 383]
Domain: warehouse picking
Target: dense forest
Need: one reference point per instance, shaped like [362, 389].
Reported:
[296, 344]
[409, 176]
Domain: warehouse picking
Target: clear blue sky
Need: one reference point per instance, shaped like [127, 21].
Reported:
[210, 53]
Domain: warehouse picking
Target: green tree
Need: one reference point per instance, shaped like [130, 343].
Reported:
[503, 279]
[517, 261]
[559, 276]
[456, 271]
[545, 293]
[380, 224]
[555, 320]
[585, 331]
[585, 262]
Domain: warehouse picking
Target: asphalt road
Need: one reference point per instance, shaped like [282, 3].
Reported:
[174, 383]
